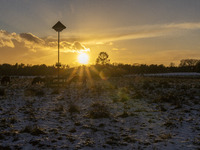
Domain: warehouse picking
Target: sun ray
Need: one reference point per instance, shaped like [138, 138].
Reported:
[72, 74]
[90, 80]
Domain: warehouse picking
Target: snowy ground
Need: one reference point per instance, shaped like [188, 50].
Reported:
[177, 74]
[120, 113]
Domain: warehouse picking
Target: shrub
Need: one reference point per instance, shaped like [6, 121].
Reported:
[165, 136]
[33, 130]
[59, 108]
[13, 120]
[164, 84]
[72, 108]
[99, 110]
[169, 98]
[124, 115]
[39, 93]
[55, 91]
[170, 124]
[73, 130]
[123, 94]
[33, 92]
[29, 92]
[5, 147]
[115, 99]
[97, 89]
[2, 92]
[137, 94]
[146, 85]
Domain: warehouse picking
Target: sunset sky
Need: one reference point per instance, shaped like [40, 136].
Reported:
[130, 31]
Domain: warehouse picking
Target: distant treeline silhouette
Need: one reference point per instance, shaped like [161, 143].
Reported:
[115, 69]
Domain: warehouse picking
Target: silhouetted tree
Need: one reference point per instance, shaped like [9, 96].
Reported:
[188, 62]
[197, 67]
[103, 58]
[172, 64]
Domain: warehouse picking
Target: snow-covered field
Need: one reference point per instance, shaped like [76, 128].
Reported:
[120, 113]
[177, 74]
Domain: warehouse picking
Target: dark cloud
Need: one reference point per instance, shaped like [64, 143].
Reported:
[67, 46]
[78, 46]
[32, 42]
[32, 38]
[73, 47]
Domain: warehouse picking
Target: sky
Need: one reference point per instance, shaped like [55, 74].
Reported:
[129, 31]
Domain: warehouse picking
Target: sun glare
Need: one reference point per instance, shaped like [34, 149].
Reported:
[83, 58]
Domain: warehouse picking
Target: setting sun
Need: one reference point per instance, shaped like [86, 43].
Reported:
[83, 58]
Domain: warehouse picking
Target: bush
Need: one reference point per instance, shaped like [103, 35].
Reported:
[72, 108]
[115, 99]
[164, 84]
[99, 110]
[169, 98]
[59, 108]
[2, 92]
[33, 130]
[146, 85]
[29, 92]
[33, 92]
[39, 93]
[138, 94]
[55, 91]
[124, 115]
[123, 94]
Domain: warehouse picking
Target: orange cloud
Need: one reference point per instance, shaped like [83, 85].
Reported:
[28, 48]
[32, 38]
[33, 42]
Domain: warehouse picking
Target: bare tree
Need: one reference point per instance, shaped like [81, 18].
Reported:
[103, 58]
[172, 64]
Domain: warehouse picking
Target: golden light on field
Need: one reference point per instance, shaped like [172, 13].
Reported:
[83, 58]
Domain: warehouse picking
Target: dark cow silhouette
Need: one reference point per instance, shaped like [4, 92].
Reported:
[38, 80]
[5, 80]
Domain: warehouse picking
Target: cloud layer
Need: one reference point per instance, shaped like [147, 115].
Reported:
[141, 32]
[71, 45]
[33, 42]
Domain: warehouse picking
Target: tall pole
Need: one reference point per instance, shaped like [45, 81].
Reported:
[58, 47]
[58, 58]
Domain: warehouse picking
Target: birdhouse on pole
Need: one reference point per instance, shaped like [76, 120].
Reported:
[58, 27]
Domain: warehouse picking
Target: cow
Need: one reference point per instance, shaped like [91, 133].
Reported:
[38, 80]
[5, 80]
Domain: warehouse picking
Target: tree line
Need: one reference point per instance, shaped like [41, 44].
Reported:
[115, 69]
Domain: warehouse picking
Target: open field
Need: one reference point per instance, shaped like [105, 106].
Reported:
[119, 113]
